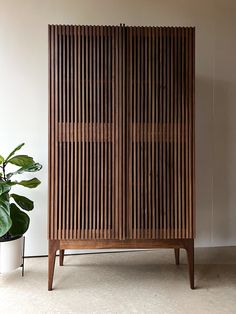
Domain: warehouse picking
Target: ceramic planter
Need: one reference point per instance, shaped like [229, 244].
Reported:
[11, 254]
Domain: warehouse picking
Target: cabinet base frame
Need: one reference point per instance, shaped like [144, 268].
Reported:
[176, 244]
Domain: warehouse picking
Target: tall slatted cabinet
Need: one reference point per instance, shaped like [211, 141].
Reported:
[121, 139]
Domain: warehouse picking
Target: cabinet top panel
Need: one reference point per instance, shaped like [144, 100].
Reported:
[121, 25]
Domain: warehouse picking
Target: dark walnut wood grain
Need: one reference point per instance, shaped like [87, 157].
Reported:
[121, 139]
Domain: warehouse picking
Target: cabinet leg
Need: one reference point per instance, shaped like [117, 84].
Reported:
[190, 255]
[61, 259]
[177, 256]
[53, 246]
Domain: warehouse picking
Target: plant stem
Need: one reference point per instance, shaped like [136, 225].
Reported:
[4, 171]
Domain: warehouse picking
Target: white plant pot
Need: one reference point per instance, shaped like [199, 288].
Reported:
[11, 255]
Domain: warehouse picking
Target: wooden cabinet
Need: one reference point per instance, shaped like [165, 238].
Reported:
[121, 138]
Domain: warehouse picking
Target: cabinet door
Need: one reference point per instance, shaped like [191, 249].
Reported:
[86, 132]
[161, 132]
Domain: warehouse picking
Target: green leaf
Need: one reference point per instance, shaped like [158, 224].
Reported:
[4, 196]
[15, 150]
[1, 159]
[4, 187]
[23, 201]
[21, 160]
[31, 168]
[5, 221]
[33, 183]
[4, 204]
[20, 221]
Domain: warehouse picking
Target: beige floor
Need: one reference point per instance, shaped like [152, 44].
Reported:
[129, 282]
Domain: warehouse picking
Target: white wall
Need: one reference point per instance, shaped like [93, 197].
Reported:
[24, 100]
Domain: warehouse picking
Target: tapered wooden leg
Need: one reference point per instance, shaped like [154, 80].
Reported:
[53, 246]
[177, 256]
[190, 255]
[61, 259]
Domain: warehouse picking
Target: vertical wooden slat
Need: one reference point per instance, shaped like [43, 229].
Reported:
[55, 166]
[71, 143]
[149, 140]
[153, 120]
[138, 49]
[134, 122]
[190, 133]
[113, 51]
[102, 122]
[171, 141]
[193, 208]
[90, 114]
[83, 130]
[157, 128]
[130, 79]
[94, 131]
[76, 174]
[187, 132]
[179, 132]
[164, 164]
[105, 162]
[121, 139]
[167, 122]
[175, 138]
[54, 96]
[80, 183]
[50, 213]
[142, 120]
[124, 132]
[67, 117]
[161, 132]
[98, 120]
[60, 152]
[145, 121]
[190, 129]
[182, 134]
[64, 131]
[51, 130]
[117, 148]
[108, 130]
[54, 125]
[86, 121]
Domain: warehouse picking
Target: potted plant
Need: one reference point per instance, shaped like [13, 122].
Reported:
[14, 221]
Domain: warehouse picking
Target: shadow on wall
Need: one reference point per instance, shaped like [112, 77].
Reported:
[224, 172]
[213, 161]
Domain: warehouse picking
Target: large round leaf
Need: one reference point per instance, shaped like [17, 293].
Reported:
[5, 221]
[20, 221]
[21, 160]
[23, 201]
[33, 183]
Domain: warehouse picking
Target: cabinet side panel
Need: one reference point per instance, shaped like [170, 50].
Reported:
[51, 129]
